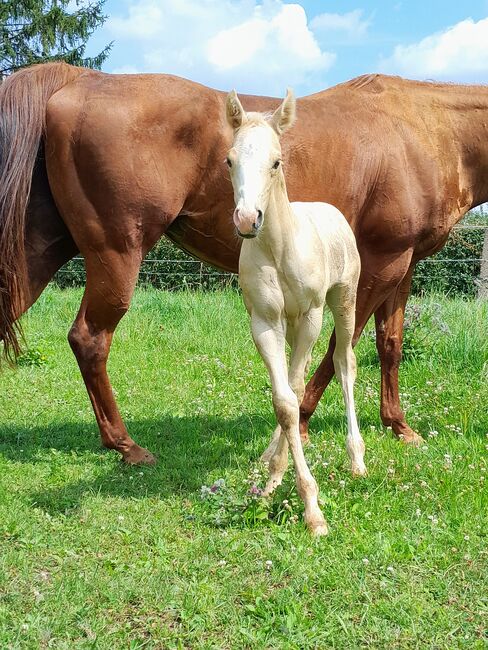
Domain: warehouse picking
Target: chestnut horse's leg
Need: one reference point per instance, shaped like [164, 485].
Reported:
[111, 278]
[389, 335]
[379, 276]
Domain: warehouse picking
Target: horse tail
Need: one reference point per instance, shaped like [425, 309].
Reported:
[23, 102]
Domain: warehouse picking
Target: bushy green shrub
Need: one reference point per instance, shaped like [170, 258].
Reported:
[164, 267]
[454, 269]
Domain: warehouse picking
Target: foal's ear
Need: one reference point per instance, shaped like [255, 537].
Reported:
[285, 115]
[236, 115]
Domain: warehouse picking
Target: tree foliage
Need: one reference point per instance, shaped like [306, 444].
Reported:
[37, 31]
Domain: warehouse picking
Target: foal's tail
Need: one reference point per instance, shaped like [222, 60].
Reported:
[23, 101]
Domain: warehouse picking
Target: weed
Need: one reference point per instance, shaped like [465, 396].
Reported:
[32, 357]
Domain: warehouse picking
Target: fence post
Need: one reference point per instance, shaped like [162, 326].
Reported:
[483, 284]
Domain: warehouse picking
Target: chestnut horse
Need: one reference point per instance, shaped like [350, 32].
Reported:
[105, 164]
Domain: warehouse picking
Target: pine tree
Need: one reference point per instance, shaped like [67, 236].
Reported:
[36, 31]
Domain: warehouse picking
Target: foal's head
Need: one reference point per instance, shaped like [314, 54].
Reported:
[254, 160]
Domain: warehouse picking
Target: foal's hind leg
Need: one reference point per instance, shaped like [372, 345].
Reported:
[341, 300]
[111, 278]
[380, 275]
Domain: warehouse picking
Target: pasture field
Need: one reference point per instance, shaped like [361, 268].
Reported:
[95, 554]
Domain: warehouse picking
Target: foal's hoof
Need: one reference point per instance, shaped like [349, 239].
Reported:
[316, 523]
[318, 529]
[359, 470]
[271, 486]
[138, 456]
[266, 455]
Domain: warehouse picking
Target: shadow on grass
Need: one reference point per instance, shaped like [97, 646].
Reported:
[189, 451]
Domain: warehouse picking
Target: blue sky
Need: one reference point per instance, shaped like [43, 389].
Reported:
[263, 46]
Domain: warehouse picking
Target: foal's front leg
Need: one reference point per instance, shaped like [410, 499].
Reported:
[270, 341]
[301, 343]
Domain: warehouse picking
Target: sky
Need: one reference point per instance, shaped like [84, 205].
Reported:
[262, 47]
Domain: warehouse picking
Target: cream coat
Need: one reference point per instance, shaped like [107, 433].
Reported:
[295, 257]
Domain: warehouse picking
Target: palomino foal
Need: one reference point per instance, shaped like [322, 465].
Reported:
[294, 258]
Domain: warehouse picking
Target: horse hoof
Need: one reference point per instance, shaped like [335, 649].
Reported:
[271, 487]
[305, 439]
[138, 456]
[407, 435]
[411, 438]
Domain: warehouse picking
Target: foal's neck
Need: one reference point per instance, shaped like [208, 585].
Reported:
[280, 223]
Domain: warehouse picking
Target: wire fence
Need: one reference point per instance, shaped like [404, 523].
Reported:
[455, 270]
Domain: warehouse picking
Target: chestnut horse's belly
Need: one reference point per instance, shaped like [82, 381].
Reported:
[209, 239]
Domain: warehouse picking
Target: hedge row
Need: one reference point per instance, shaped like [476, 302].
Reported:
[164, 267]
[454, 270]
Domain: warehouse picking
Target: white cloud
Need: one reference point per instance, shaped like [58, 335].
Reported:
[351, 24]
[237, 45]
[284, 36]
[258, 47]
[143, 22]
[460, 53]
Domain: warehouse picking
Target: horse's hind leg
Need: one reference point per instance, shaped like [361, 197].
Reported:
[110, 283]
[389, 335]
[48, 242]
[341, 300]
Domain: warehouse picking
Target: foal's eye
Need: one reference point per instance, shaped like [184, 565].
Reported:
[277, 164]
[228, 162]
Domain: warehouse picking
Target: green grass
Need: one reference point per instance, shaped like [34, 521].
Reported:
[95, 554]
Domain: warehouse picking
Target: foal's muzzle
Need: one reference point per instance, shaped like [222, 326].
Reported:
[248, 225]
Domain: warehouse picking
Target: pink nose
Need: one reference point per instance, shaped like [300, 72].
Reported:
[247, 221]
